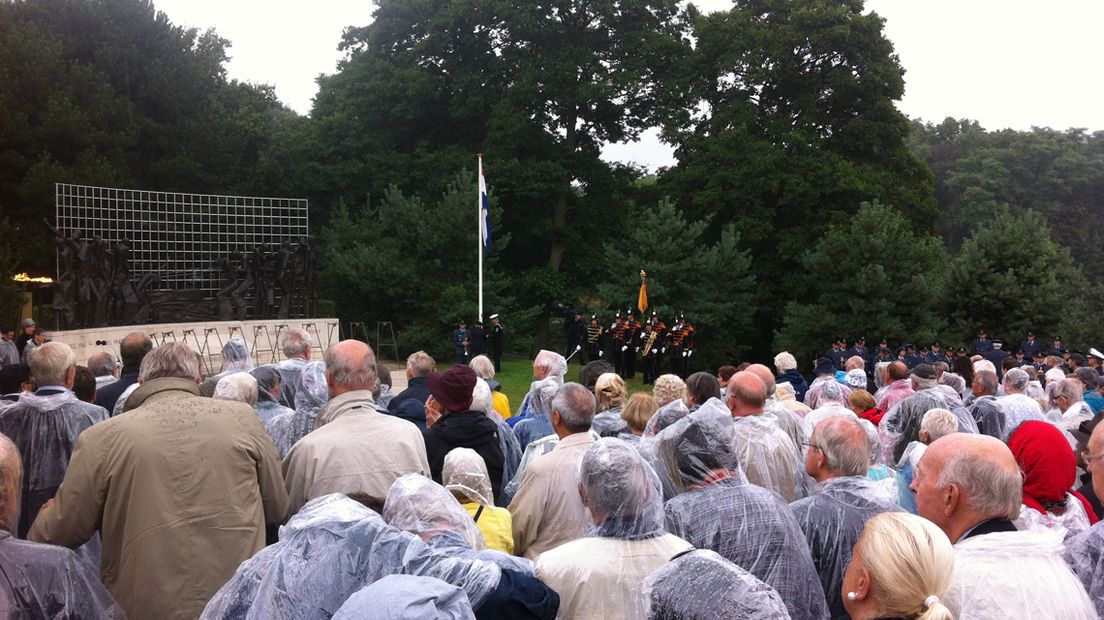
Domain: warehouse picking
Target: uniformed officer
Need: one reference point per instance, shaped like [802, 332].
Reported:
[594, 339]
[912, 358]
[628, 348]
[497, 334]
[997, 355]
[837, 353]
[461, 340]
[1030, 346]
[574, 334]
[860, 350]
[648, 345]
[981, 344]
[935, 354]
[1058, 346]
[617, 338]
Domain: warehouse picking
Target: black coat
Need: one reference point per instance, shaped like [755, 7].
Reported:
[466, 429]
[109, 394]
[417, 388]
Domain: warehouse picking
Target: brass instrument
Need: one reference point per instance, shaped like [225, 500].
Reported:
[648, 344]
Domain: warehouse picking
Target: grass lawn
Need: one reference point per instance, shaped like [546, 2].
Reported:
[517, 375]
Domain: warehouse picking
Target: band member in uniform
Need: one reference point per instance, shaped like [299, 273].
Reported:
[648, 343]
[680, 344]
[660, 329]
[632, 328]
[461, 339]
[617, 337]
[594, 339]
[574, 334]
[497, 332]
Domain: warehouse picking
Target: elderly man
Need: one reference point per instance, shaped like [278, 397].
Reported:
[1069, 409]
[1085, 552]
[547, 508]
[133, 349]
[103, 367]
[845, 499]
[983, 405]
[1018, 407]
[45, 425]
[716, 510]
[42, 581]
[296, 345]
[179, 481]
[766, 453]
[546, 365]
[26, 334]
[900, 386]
[409, 404]
[598, 576]
[453, 424]
[354, 448]
[9, 353]
[785, 417]
[971, 487]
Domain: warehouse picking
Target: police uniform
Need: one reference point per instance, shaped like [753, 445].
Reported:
[1030, 346]
[497, 334]
[461, 340]
[981, 344]
[934, 356]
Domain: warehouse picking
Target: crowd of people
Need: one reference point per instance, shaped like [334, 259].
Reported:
[308, 489]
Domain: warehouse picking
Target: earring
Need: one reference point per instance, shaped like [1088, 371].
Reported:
[852, 596]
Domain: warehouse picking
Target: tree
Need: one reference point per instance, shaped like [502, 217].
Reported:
[871, 276]
[11, 296]
[412, 262]
[710, 281]
[1011, 277]
[788, 124]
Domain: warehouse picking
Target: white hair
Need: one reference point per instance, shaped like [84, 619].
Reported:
[938, 422]
[784, 361]
[296, 342]
[239, 386]
[50, 363]
[172, 359]
[990, 489]
[554, 362]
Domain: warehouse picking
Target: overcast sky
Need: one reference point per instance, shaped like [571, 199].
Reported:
[1005, 63]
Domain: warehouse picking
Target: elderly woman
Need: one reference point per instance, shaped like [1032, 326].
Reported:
[1049, 468]
[702, 585]
[484, 369]
[746, 524]
[609, 393]
[637, 412]
[507, 441]
[668, 388]
[239, 387]
[539, 402]
[465, 476]
[424, 508]
[311, 395]
[900, 568]
[268, 393]
[786, 365]
[1068, 408]
[598, 576]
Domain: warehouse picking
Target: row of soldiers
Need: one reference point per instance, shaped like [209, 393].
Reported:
[1030, 351]
[628, 340]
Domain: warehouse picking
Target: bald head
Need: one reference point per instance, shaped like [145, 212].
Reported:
[964, 479]
[134, 348]
[765, 375]
[11, 474]
[746, 394]
[897, 371]
[350, 365]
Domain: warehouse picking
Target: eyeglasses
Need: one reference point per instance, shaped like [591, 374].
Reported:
[809, 444]
[1091, 458]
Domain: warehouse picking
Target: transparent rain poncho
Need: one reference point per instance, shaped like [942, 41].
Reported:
[609, 423]
[1018, 408]
[424, 508]
[237, 387]
[599, 576]
[1016, 575]
[539, 424]
[268, 407]
[289, 379]
[833, 518]
[330, 549]
[45, 429]
[1085, 555]
[507, 440]
[824, 389]
[235, 356]
[702, 585]
[746, 524]
[886, 486]
[311, 395]
[663, 418]
[793, 424]
[465, 472]
[901, 424]
[405, 597]
[46, 581]
[988, 415]
[766, 454]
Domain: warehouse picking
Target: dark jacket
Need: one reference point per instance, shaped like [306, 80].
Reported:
[108, 395]
[466, 429]
[418, 388]
[795, 379]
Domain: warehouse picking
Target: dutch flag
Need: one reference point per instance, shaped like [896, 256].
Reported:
[484, 211]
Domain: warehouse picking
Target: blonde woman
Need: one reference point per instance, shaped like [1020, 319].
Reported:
[901, 567]
[609, 392]
[636, 413]
[668, 388]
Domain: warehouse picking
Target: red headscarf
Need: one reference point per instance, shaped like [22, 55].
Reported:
[1048, 464]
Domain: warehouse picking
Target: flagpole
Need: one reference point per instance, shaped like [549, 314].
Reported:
[479, 230]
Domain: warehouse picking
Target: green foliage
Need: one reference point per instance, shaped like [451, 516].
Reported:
[870, 276]
[710, 281]
[413, 262]
[1010, 277]
[11, 295]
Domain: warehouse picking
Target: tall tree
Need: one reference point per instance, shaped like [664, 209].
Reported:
[871, 276]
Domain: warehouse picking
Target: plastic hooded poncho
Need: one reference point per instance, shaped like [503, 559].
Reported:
[599, 576]
[901, 424]
[1016, 575]
[833, 518]
[311, 395]
[1018, 408]
[1085, 555]
[45, 581]
[826, 388]
[702, 585]
[45, 429]
[609, 423]
[539, 423]
[405, 597]
[482, 400]
[235, 357]
[745, 524]
[766, 454]
[330, 549]
[289, 379]
[465, 476]
[648, 446]
[424, 508]
[268, 407]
